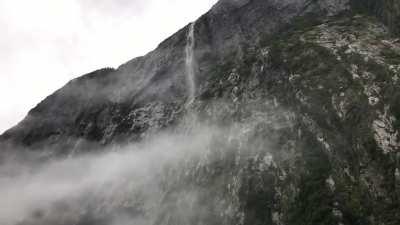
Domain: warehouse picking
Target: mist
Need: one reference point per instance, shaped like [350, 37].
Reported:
[121, 186]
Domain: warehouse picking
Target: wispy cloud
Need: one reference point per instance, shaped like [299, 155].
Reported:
[33, 193]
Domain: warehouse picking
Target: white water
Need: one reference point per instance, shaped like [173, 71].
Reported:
[190, 63]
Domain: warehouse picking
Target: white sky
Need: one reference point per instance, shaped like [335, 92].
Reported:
[46, 43]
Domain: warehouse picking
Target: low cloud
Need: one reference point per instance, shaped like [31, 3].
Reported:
[63, 190]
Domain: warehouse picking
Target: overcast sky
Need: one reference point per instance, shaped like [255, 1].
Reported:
[45, 43]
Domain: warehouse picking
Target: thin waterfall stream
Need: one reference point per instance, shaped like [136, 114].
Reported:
[190, 63]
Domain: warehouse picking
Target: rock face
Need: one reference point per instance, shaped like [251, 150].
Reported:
[307, 91]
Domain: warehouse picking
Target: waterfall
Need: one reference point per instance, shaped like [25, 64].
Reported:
[190, 63]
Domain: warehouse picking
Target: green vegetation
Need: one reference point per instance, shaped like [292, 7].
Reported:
[314, 204]
[391, 56]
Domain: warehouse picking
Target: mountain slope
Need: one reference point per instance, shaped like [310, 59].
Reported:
[160, 76]
[306, 94]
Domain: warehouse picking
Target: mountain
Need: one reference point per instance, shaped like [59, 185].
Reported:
[305, 97]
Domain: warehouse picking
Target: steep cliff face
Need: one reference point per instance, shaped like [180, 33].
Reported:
[305, 95]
